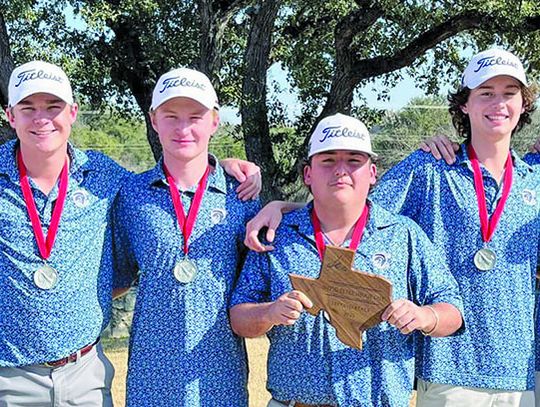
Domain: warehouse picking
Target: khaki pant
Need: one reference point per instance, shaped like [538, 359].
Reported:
[443, 395]
[85, 383]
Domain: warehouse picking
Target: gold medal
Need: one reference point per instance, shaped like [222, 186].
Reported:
[185, 271]
[45, 277]
[485, 259]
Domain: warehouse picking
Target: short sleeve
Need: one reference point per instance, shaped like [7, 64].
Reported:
[125, 267]
[253, 285]
[430, 280]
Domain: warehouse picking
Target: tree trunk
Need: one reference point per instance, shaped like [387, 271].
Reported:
[143, 95]
[153, 138]
[340, 97]
[253, 105]
[6, 62]
[6, 67]
[142, 91]
[213, 26]
[134, 69]
[339, 101]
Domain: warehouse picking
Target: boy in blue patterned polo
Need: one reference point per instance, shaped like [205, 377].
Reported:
[443, 148]
[493, 362]
[307, 364]
[533, 159]
[185, 226]
[483, 213]
[55, 262]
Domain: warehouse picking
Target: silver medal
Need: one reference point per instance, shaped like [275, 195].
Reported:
[45, 277]
[185, 271]
[485, 259]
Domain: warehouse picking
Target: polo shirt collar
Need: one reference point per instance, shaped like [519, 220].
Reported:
[79, 162]
[379, 218]
[521, 167]
[216, 179]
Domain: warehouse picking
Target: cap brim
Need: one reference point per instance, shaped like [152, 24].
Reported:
[29, 92]
[166, 99]
[473, 84]
[323, 150]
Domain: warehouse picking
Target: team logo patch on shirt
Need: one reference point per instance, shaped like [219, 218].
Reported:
[218, 215]
[529, 197]
[81, 198]
[380, 261]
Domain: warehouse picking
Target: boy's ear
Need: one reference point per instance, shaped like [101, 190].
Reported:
[215, 121]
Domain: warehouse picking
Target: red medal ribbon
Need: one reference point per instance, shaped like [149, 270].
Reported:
[488, 226]
[356, 236]
[44, 245]
[186, 224]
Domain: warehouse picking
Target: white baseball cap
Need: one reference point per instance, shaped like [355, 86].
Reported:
[340, 132]
[38, 77]
[184, 82]
[488, 64]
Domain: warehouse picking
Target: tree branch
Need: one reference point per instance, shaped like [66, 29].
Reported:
[253, 103]
[355, 22]
[214, 16]
[228, 6]
[355, 18]
[348, 27]
[296, 30]
[531, 23]
[366, 68]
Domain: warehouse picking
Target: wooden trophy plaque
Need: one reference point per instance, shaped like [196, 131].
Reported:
[353, 300]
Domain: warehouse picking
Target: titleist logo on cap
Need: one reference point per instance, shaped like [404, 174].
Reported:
[340, 131]
[490, 61]
[33, 74]
[176, 81]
